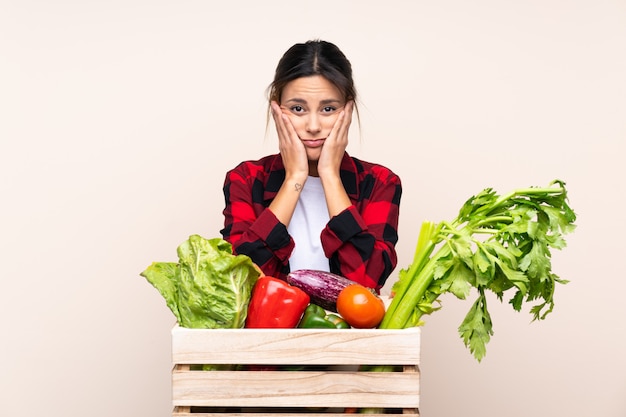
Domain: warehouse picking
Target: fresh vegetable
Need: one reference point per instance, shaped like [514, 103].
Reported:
[498, 244]
[315, 317]
[323, 287]
[208, 287]
[275, 304]
[338, 321]
[360, 307]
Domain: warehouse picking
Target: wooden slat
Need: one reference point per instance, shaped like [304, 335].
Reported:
[295, 389]
[296, 346]
[277, 393]
[291, 413]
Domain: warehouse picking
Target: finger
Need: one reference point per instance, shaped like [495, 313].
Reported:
[347, 120]
[279, 121]
[276, 113]
[342, 124]
[289, 129]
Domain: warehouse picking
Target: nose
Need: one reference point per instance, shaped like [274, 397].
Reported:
[313, 124]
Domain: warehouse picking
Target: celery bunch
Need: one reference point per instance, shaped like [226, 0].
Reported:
[497, 243]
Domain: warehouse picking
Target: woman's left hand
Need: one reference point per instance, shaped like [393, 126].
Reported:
[336, 143]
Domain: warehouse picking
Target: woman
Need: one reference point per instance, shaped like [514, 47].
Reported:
[312, 206]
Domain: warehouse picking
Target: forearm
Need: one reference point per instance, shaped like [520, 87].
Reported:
[372, 272]
[360, 251]
[286, 199]
[251, 228]
[337, 199]
[265, 240]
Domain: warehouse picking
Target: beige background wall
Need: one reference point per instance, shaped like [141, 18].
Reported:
[118, 120]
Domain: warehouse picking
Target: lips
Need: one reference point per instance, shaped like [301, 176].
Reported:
[313, 143]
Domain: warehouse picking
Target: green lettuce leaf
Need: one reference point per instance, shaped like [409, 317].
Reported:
[163, 276]
[209, 287]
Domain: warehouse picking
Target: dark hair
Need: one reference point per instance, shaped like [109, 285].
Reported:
[314, 57]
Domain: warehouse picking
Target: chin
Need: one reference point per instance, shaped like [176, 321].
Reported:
[313, 155]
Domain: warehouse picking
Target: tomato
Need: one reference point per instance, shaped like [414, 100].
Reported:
[360, 307]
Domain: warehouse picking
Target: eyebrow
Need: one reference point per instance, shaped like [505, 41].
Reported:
[303, 101]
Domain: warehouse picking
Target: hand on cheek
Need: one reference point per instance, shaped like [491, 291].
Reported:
[289, 144]
[336, 143]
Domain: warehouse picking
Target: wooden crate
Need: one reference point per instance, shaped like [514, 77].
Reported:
[296, 372]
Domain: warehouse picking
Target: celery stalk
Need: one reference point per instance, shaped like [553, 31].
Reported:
[497, 243]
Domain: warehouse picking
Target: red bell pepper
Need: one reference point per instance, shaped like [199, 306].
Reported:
[275, 304]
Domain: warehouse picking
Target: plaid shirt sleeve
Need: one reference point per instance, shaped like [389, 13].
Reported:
[249, 225]
[360, 241]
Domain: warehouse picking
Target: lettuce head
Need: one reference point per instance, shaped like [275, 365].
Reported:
[208, 287]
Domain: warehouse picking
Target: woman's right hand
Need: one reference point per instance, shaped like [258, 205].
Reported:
[290, 146]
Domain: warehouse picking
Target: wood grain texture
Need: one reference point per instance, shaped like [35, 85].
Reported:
[330, 373]
[296, 346]
[179, 412]
[296, 389]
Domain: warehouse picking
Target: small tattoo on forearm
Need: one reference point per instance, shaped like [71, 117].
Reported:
[298, 186]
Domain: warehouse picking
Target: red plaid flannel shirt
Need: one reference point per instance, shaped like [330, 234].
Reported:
[359, 242]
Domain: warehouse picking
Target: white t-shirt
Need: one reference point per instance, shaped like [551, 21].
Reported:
[308, 220]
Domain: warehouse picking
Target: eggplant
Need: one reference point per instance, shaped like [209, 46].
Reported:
[322, 287]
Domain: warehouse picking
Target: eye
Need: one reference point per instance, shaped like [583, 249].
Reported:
[297, 109]
[328, 109]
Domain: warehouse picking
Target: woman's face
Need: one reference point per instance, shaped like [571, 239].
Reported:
[313, 105]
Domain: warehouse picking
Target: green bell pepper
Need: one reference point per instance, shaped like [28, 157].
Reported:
[315, 317]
